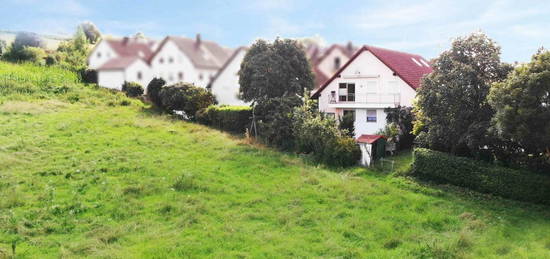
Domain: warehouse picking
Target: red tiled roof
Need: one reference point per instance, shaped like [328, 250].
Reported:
[206, 55]
[118, 63]
[401, 63]
[369, 139]
[128, 47]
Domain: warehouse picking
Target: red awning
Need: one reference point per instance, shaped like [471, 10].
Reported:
[369, 139]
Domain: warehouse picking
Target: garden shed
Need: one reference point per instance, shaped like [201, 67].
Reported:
[372, 147]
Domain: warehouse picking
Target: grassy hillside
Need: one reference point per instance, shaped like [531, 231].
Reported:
[101, 176]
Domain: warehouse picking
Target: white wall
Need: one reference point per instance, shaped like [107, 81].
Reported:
[101, 54]
[131, 73]
[367, 68]
[226, 86]
[110, 79]
[169, 71]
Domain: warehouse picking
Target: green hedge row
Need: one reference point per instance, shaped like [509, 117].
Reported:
[482, 177]
[235, 119]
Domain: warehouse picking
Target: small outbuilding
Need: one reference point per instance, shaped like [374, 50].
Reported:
[372, 148]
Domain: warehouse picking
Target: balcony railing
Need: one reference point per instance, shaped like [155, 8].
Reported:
[371, 98]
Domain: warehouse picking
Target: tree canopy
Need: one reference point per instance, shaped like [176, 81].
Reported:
[453, 114]
[273, 70]
[275, 77]
[522, 105]
[90, 31]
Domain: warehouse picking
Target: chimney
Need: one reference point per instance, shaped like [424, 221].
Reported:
[350, 47]
[198, 40]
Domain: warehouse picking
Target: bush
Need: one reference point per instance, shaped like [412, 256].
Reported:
[153, 90]
[235, 119]
[320, 136]
[185, 97]
[482, 177]
[33, 55]
[132, 89]
[88, 76]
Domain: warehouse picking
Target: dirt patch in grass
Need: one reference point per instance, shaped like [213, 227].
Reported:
[31, 108]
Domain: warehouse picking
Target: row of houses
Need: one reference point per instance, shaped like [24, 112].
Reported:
[361, 81]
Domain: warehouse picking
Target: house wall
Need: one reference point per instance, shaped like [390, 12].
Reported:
[131, 73]
[110, 78]
[367, 68]
[326, 66]
[226, 86]
[204, 76]
[169, 71]
[105, 54]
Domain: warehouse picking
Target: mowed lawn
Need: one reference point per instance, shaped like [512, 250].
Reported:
[82, 180]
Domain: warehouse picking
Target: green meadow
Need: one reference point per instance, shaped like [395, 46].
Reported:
[86, 172]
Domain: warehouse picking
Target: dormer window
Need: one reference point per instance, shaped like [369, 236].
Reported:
[337, 63]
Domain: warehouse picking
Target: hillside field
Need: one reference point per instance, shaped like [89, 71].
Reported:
[85, 172]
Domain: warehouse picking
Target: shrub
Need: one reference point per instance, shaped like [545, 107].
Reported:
[321, 137]
[153, 90]
[185, 97]
[88, 76]
[132, 89]
[482, 177]
[235, 119]
[34, 55]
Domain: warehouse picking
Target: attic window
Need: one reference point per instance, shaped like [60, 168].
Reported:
[424, 62]
[415, 61]
[337, 63]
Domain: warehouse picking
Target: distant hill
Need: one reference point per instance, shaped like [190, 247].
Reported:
[51, 41]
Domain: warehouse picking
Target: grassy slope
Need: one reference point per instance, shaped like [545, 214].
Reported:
[82, 180]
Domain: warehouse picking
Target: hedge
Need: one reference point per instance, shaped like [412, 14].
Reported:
[132, 89]
[482, 177]
[235, 119]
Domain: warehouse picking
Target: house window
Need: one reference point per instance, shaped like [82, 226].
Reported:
[337, 63]
[346, 92]
[170, 60]
[201, 76]
[170, 77]
[180, 76]
[371, 115]
[161, 60]
[99, 55]
[139, 75]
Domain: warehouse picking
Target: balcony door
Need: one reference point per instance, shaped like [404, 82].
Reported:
[346, 92]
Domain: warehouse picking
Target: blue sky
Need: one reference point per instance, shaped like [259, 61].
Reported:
[423, 27]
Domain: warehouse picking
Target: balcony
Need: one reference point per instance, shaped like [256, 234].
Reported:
[371, 100]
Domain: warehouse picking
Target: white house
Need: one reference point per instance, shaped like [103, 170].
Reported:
[225, 84]
[119, 60]
[372, 79]
[196, 61]
[174, 59]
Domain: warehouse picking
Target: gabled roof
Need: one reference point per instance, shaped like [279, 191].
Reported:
[369, 139]
[127, 47]
[347, 50]
[229, 60]
[204, 54]
[119, 63]
[409, 67]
